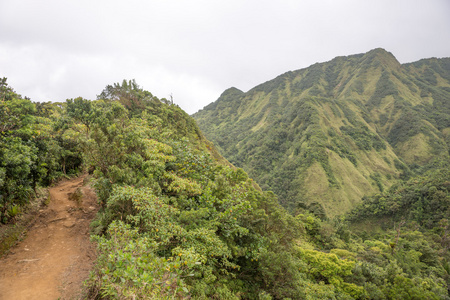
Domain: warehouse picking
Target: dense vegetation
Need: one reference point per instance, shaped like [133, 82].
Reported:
[332, 133]
[34, 149]
[178, 221]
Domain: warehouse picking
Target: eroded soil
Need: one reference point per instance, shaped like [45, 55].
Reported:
[56, 256]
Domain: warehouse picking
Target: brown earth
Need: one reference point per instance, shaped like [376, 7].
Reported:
[56, 256]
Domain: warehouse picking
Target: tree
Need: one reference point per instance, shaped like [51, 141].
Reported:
[129, 93]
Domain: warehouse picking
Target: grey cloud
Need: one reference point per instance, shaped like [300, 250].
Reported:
[53, 50]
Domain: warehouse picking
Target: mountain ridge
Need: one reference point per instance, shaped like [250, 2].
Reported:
[354, 124]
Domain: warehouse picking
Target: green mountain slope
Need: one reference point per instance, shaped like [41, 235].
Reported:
[326, 135]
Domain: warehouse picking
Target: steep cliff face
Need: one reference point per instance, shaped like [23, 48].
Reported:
[326, 135]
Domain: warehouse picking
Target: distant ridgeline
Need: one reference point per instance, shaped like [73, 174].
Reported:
[323, 137]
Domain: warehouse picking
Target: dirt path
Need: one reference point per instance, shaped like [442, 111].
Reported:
[55, 258]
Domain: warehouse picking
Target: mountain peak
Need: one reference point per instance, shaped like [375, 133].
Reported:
[232, 90]
[380, 50]
[379, 56]
[229, 94]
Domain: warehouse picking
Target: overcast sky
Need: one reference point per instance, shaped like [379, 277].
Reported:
[51, 50]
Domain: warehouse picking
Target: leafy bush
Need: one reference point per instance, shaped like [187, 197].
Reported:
[129, 268]
[32, 151]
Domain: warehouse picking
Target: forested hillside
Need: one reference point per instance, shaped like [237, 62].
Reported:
[327, 135]
[179, 222]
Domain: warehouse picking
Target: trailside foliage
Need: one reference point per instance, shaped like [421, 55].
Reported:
[207, 224]
[33, 150]
[177, 225]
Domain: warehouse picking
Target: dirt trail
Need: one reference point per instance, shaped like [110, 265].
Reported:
[55, 258]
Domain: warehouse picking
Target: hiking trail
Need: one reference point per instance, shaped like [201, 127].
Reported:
[56, 255]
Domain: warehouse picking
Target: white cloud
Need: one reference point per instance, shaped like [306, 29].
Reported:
[53, 50]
